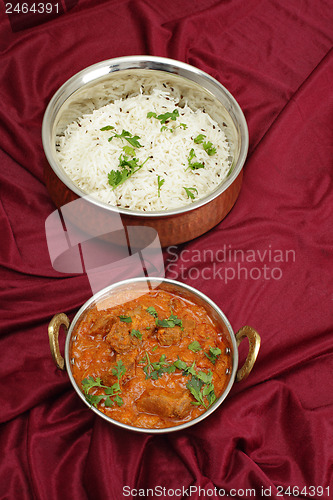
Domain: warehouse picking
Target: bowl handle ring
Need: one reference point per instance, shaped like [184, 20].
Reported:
[53, 330]
[254, 345]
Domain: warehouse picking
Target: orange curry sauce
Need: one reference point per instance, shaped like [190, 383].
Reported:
[145, 336]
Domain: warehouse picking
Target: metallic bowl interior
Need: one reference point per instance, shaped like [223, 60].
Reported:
[108, 80]
[140, 286]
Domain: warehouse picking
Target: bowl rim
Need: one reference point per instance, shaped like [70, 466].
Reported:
[123, 284]
[108, 66]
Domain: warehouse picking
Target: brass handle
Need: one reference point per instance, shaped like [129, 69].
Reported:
[254, 341]
[54, 326]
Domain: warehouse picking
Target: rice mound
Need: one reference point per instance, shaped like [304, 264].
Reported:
[87, 155]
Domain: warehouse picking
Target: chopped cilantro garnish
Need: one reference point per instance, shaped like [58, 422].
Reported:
[208, 147]
[109, 391]
[171, 322]
[194, 386]
[190, 192]
[119, 370]
[125, 319]
[128, 168]
[107, 127]
[133, 140]
[196, 164]
[128, 150]
[213, 354]
[181, 365]
[118, 400]
[208, 391]
[160, 183]
[200, 385]
[136, 333]
[205, 377]
[199, 139]
[195, 346]
[156, 369]
[151, 310]
[163, 118]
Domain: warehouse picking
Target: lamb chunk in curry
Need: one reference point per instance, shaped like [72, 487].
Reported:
[146, 361]
[129, 362]
[144, 321]
[169, 336]
[119, 337]
[165, 403]
[102, 324]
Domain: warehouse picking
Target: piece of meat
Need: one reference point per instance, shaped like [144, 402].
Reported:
[99, 363]
[165, 404]
[102, 324]
[128, 360]
[143, 321]
[107, 377]
[189, 325]
[106, 372]
[205, 331]
[169, 336]
[176, 305]
[119, 337]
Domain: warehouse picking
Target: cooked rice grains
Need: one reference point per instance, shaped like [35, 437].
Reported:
[173, 151]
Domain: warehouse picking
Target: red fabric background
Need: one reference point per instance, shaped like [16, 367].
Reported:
[275, 428]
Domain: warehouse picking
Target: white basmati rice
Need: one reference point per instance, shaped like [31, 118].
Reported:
[87, 156]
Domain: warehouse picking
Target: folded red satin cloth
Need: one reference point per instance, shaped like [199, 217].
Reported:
[267, 264]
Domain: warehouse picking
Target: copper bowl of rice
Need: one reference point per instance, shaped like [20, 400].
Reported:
[145, 141]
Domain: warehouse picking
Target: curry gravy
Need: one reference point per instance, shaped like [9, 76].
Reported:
[168, 358]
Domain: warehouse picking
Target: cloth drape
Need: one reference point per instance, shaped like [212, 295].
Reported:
[267, 264]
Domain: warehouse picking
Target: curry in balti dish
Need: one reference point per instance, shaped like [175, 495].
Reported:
[154, 361]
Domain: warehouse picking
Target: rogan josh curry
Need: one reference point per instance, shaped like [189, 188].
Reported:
[154, 361]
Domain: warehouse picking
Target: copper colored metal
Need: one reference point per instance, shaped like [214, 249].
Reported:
[173, 229]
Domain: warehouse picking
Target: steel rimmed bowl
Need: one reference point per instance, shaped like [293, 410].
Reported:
[140, 286]
[76, 95]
